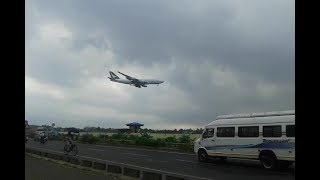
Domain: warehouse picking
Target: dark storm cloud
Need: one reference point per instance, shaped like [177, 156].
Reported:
[146, 32]
[218, 56]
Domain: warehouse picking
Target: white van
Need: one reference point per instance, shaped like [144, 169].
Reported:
[268, 137]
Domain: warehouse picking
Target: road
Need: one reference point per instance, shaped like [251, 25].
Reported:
[179, 163]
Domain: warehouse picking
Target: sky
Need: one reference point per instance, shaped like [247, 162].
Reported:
[216, 57]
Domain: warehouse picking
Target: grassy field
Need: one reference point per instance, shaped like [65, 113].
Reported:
[154, 135]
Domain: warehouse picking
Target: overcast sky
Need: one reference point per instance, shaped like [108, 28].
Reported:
[215, 56]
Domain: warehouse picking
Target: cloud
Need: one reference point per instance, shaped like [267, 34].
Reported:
[54, 32]
[51, 91]
[216, 57]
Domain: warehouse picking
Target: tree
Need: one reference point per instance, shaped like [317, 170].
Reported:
[180, 130]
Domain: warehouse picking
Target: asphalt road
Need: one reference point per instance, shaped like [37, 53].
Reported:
[179, 163]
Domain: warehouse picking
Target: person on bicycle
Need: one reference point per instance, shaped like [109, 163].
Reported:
[69, 139]
[43, 137]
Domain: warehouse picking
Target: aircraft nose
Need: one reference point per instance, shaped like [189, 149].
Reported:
[161, 82]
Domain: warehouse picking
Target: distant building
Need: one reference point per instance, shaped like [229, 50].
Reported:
[134, 126]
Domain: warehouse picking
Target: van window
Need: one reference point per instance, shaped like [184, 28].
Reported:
[248, 131]
[272, 131]
[208, 133]
[225, 131]
[290, 131]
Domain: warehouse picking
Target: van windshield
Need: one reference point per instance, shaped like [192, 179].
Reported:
[208, 133]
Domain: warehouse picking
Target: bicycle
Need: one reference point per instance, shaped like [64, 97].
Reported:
[43, 140]
[70, 148]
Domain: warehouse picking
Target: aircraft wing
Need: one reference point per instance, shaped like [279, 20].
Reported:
[135, 81]
[129, 77]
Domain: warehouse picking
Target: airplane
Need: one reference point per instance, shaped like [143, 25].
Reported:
[133, 81]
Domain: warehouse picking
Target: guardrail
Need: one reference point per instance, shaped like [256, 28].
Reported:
[135, 172]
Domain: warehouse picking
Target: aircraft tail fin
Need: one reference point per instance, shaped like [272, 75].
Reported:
[113, 76]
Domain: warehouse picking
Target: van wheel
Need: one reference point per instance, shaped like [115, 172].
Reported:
[268, 162]
[202, 156]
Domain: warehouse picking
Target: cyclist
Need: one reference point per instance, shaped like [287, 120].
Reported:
[69, 139]
[43, 137]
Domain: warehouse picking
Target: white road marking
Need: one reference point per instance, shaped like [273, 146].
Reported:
[157, 161]
[186, 161]
[96, 149]
[135, 154]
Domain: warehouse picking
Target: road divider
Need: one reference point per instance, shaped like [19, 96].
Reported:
[99, 166]
[86, 163]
